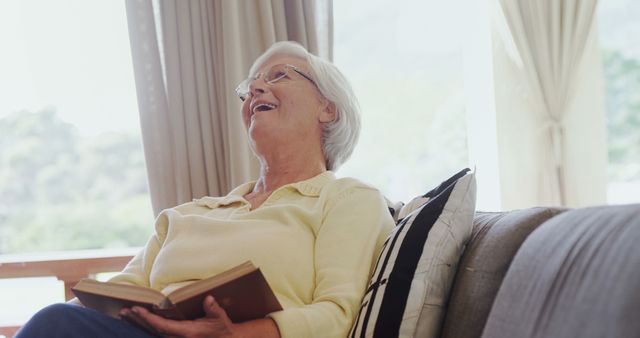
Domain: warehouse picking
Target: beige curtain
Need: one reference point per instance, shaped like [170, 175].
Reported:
[188, 57]
[550, 36]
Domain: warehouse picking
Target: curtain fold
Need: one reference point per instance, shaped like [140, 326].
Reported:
[152, 102]
[187, 59]
[550, 37]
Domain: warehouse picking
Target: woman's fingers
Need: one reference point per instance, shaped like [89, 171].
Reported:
[154, 323]
[166, 327]
[217, 318]
[130, 316]
[215, 323]
[213, 310]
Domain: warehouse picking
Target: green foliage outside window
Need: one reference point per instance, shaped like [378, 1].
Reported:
[622, 78]
[59, 191]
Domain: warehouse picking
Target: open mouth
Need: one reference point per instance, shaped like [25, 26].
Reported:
[263, 107]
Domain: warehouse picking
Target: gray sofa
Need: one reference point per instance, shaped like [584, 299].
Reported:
[549, 272]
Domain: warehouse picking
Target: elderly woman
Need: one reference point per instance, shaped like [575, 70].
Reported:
[314, 236]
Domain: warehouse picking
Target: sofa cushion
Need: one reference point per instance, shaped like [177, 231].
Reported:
[577, 275]
[496, 238]
[415, 269]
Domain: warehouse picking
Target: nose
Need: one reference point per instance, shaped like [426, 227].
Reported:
[257, 86]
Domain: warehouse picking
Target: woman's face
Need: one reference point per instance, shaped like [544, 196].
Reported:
[289, 110]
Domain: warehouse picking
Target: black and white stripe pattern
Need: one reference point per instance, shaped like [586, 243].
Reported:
[384, 309]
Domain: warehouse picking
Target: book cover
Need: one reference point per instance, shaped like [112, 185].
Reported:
[242, 292]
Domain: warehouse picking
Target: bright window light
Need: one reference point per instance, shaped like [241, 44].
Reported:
[619, 27]
[405, 61]
[72, 172]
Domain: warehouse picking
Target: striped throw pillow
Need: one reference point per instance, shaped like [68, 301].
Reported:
[413, 275]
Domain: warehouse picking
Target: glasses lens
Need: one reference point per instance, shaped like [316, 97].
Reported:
[276, 73]
[243, 89]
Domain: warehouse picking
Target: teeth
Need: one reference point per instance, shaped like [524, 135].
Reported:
[264, 106]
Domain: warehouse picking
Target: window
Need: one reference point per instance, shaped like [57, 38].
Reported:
[72, 172]
[405, 60]
[619, 27]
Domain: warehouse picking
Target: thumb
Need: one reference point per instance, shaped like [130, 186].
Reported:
[212, 309]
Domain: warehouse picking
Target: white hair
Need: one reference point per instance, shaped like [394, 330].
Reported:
[340, 136]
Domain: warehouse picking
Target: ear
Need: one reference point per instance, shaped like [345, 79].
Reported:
[327, 112]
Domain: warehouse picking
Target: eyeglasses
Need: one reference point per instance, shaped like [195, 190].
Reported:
[273, 75]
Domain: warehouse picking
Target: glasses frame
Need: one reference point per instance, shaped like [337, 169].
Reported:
[243, 90]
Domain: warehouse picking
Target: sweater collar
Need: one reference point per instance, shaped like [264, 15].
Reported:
[310, 187]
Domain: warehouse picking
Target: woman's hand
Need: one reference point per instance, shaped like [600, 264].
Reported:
[215, 323]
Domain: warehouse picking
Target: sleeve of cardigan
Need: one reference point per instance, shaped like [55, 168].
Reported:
[138, 269]
[356, 222]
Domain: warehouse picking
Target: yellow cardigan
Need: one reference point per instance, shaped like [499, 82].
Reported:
[316, 242]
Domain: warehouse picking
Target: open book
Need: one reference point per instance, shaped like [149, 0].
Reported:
[242, 291]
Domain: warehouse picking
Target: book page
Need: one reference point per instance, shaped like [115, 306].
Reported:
[122, 291]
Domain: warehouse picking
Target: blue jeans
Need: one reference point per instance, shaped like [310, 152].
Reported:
[71, 321]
